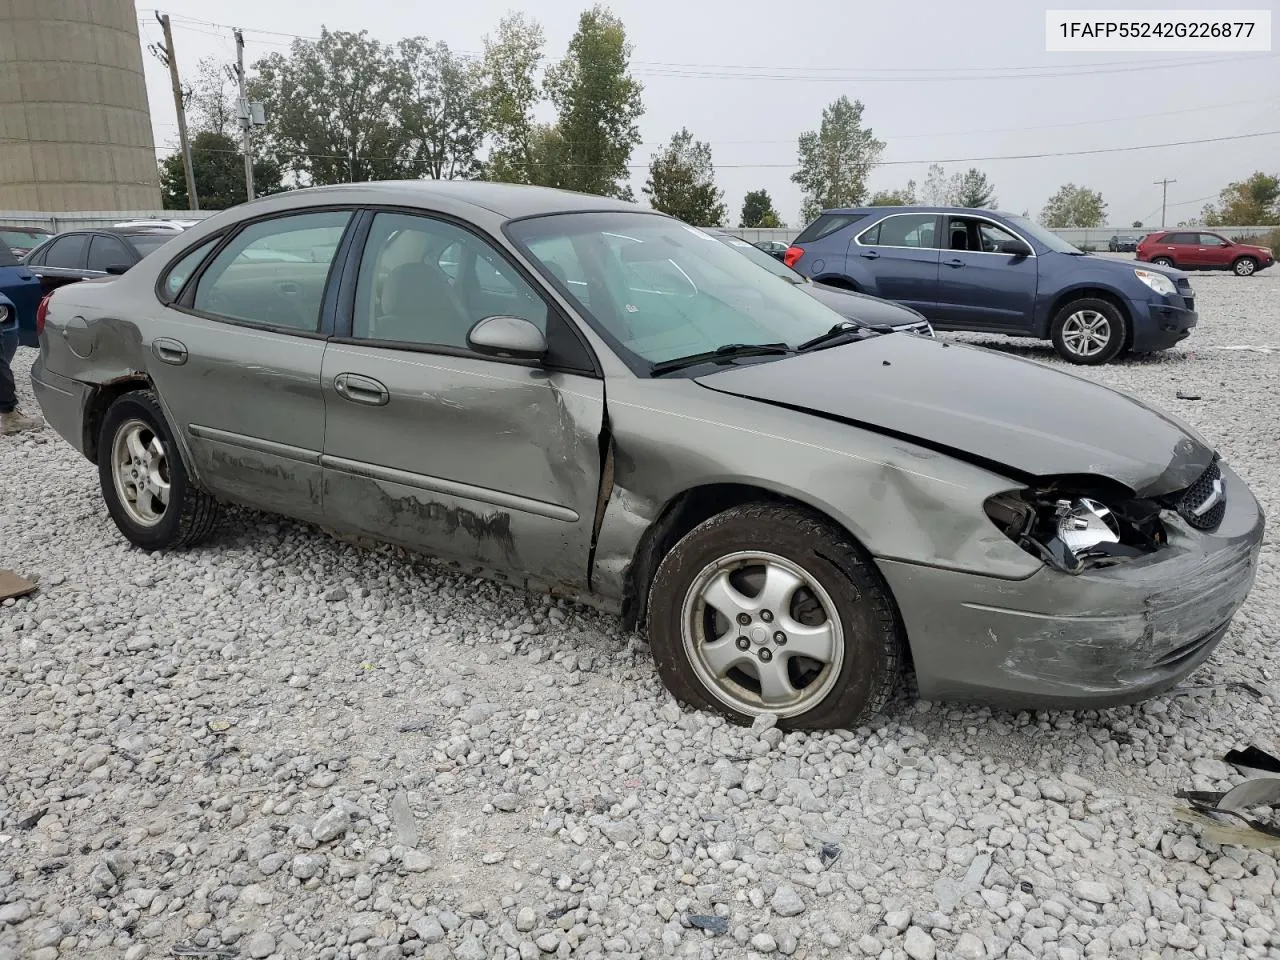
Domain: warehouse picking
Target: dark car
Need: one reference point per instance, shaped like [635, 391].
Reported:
[22, 240]
[1202, 250]
[1122, 244]
[22, 290]
[774, 248]
[991, 272]
[856, 307]
[83, 254]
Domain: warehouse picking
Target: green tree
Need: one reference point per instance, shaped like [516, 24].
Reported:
[597, 103]
[218, 164]
[836, 159]
[510, 92]
[905, 197]
[1246, 203]
[1074, 206]
[332, 104]
[1137, 224]
[937, 188]
[440, 110]
[210, 99]
[758, 210]
[682, 182]
[973, 189]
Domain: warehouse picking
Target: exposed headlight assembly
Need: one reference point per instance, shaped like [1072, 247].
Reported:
[1074, 528]
[1157, 282]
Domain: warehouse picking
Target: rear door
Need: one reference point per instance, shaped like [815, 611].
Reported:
[237, 358]
[901, 253]
[1182, 247]
[978, 286]
[437, 448]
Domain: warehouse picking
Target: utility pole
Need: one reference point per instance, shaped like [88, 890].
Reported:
[1164, 196]
[169, 57]
[246, 120]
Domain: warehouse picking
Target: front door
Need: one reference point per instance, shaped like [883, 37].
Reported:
[901, 254]
[62, 261]
[978, 286]
[1212, 251]
[437, 448]
[237, 360]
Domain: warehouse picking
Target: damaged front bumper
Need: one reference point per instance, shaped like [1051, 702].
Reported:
[1108, 636]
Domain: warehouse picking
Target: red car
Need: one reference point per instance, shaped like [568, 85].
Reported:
[1201, 250]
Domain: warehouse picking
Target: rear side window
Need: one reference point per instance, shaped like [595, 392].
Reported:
[908, 230]
[826, 225]
[1187, 238]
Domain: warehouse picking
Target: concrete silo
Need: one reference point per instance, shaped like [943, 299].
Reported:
[75, 127]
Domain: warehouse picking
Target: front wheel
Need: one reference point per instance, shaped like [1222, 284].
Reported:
[1089, 332]
[1245, 266]
[769, 609]
[143, 480]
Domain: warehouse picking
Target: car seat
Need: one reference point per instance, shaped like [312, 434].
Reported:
[421, 307]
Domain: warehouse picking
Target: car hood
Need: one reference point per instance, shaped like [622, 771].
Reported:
[1013, 415]
[1128, 266]
[858, 307]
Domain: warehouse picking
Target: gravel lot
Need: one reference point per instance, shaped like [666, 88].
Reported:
[280, 745]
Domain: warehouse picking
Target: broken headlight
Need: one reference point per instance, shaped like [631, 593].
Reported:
[1076, 527]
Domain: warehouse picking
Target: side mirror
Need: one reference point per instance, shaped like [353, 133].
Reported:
[1015, 248]
[512, 338]
[116, 269]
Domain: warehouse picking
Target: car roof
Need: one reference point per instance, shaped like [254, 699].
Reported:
[508, 200]
[867, 211]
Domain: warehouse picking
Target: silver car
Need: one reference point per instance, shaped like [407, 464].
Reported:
[597, 400]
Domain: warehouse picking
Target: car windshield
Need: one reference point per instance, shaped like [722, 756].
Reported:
[756, 255]
[1042, 235]
[659, 290]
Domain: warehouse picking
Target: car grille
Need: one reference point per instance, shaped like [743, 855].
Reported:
[1204, 503]
[1188, 295]
[923, 328]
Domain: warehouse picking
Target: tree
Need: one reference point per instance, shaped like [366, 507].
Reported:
[1137, 224]
[1246, 203]
[509, 92]
[211, 99]
[597, 103]
[332, 104]
[937, 189]
[1074, 206]
[682, 182]
[218, 164]
[836, 159]
[440, 110]
[758, 211]
[973, 189]
[905, 197]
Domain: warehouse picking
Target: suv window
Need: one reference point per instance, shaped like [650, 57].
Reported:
[67, 252]
[1184, 238]
[1210, 240]
[826, 225]
[428, 282]
[273, 273]
[106, 252]
[180, 271]
[904, 230]
[976, 235]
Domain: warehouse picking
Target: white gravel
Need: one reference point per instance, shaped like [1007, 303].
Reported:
[220, 751]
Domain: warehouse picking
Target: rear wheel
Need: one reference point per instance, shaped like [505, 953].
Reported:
[143, 480]
[1162, 261]
[1089, 332]
[768, 609]
[1245, 266]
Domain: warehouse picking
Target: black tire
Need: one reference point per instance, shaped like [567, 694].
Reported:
[1163, 261]
[1117, 330]
[873, 635]
[190, 515]
[1244, 267]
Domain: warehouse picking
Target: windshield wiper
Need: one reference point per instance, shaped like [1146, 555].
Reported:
[730, 351]
[844, 332]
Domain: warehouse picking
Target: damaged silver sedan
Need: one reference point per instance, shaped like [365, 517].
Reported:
[585, 397]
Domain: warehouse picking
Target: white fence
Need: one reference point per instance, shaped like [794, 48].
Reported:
[1095, 237]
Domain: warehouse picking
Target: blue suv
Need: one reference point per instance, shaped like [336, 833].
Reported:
[23, 290]
[990, 272]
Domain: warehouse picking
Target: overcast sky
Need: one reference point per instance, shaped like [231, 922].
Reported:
[751, 75]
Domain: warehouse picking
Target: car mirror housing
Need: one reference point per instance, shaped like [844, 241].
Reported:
[1015, 248]
[511, 338]
[116, 269]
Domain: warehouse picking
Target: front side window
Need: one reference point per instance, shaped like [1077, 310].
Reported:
[106, 252]
[1211, 240]
[273, 273]
[427, 282]
[910, 230]
[666, 290]
[67, 252]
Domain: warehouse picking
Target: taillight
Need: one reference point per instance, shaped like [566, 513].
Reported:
[792, 256]
[41, 311]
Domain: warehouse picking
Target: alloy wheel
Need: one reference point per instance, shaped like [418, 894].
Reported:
[1086, 333]
[140, 469]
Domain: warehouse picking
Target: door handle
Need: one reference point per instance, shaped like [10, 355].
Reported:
[954, 263]
[169, 351]
[870, 255]
[360, 389]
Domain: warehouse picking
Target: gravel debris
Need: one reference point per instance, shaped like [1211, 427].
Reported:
[282, 745]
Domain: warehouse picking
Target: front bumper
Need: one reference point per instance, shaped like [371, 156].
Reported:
[1159, 325]
[1105, 637]
[62, 402]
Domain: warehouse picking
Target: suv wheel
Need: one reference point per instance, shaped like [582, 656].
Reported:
[1162, 261]
[1245, 266]
[1089, 332]
[144, 481]
[768, 609]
